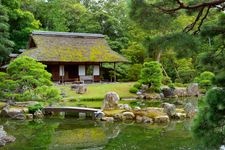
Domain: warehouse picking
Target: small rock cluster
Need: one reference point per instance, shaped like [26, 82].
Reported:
[19, 112]
[191, 90]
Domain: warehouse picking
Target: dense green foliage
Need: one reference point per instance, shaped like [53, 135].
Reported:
[209, 123]
[174, 48]
[151, 74]
[5, 43]
[33, 108]
[138, 29]
[22, 23]
[205, 79]
[27, 79]
[185, 70]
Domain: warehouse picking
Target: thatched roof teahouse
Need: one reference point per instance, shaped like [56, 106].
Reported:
[72, 56]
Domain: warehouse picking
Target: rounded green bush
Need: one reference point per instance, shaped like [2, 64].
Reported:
[133, 90]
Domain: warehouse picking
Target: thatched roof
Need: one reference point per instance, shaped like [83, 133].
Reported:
[70, 47]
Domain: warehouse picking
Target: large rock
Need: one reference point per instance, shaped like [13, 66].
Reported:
[4, 138]
[111, 101]
[192, 89]
[168, 92]
[14, 113]
[162, 119]
[189, 110]
[81, 89]
[169, 109]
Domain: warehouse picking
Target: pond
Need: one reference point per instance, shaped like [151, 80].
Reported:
[71, 133]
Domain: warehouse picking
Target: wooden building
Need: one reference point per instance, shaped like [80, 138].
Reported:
[72, 56]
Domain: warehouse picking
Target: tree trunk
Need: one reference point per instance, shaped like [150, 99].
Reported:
[159, 56]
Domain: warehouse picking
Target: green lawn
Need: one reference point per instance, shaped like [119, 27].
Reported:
[95, 94]
[97, 91]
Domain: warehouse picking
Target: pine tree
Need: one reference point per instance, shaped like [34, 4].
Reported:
[5, 44]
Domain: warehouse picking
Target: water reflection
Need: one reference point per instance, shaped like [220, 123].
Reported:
[87, 134]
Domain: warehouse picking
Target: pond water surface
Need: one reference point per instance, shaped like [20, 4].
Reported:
[70, 134]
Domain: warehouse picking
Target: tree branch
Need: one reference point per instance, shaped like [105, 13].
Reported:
[192, 25]
[202, 20]
[182, 5]
[219, 4]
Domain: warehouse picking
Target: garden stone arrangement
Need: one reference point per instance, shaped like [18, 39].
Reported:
[167, 92]
[122, 112]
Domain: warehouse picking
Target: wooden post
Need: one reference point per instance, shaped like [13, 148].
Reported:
[114, 67]
[100, 71]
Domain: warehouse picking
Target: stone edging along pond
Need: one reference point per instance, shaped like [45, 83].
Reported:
[111, 111]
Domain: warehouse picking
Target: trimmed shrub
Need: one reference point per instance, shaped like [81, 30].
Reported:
[151, 74]
[205, 79]
[27, 79]
[133, 90]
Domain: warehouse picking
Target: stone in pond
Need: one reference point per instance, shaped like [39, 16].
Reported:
[192, 89]
[169, 109]
[4, 138]
[14, 113]
[111, 101]
[168, 92]
[189, 110]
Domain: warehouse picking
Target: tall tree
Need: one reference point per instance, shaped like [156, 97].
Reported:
[21, 22]
[5, 44]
